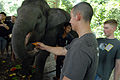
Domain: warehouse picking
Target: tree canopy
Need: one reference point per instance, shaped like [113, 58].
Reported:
[103, 10]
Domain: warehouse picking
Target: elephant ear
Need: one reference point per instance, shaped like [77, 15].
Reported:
[55, 23]
[56, 17]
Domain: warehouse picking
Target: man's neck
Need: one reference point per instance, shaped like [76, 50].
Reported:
[84, 32]
[111, 37]
[83, 29]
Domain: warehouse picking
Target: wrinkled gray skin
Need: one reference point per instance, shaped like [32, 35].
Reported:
[44, 22]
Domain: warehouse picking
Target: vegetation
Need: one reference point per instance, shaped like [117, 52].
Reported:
[103, 10]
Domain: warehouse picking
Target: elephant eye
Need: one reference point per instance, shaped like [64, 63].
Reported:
[39, 17]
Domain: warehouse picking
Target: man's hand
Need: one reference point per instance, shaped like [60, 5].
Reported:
[55, 50]
[4, 25]
[65, 78]
[1, 24]
[41, 46]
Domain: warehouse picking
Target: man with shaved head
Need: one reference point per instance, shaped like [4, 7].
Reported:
[81, 54]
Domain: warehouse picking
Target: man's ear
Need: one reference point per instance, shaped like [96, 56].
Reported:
[64, 27]
[78, 16]
[114, 28]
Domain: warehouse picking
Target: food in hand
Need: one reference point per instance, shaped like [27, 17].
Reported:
[36, 43]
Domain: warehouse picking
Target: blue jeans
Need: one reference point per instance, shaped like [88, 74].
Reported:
[97, 77]
[3, 43]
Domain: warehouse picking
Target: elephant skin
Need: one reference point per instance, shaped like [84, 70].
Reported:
[44, 23]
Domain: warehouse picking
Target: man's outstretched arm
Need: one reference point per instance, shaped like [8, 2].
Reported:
[55, 50]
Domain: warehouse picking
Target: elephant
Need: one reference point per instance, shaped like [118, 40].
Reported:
[44, 23]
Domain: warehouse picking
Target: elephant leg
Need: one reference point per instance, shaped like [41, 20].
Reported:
[27, 65]
[40, 64]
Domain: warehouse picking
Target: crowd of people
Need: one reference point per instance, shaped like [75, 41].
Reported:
[82, 58]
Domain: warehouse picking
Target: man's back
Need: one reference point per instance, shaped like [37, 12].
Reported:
[81, 59]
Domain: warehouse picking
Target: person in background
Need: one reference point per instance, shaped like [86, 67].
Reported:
[63, 39]
[4, 31]
[11, 21]
[81, 58]
[109, 55]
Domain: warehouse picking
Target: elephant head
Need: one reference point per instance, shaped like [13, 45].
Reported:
[43, 22]
[31, 18]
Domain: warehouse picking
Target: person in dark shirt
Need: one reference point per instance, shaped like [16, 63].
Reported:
[12, 22]
[81, 55]
[109, 53]
[63, 39]
[4, 31]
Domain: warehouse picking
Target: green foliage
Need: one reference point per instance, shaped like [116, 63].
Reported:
[66, 5]
[1, 6]
[63, 4]
[51, 3]
[10, 6]
[103, 10]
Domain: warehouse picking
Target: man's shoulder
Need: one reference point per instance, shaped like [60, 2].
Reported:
[117, 42]
[100, 39]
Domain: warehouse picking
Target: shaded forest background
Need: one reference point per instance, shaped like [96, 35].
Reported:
[103, 10]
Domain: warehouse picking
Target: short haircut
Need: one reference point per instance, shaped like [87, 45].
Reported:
[112, 22]
[3, 13]
[13, 16]
[85, 9]
[67, 24]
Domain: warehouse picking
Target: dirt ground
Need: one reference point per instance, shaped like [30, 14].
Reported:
[10, 70]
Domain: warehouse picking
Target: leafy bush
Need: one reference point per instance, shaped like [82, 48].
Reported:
[103, 10]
